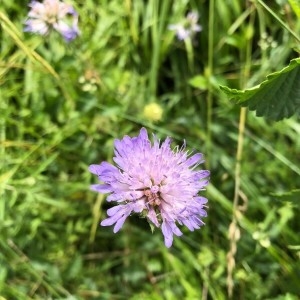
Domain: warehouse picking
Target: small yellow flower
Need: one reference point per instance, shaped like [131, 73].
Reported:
[153, 112]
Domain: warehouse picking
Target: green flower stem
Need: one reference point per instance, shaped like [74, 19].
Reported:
[238, 167]
[2, 153]
[158, 26]
[190, 53]
[283, 24]
[209, 74]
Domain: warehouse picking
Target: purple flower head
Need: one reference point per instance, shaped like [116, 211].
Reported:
[155, 181]
[52, 14]
[187, 27]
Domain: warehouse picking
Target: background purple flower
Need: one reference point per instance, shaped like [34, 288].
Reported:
[155, 181]
[187, 27]
[52, 14]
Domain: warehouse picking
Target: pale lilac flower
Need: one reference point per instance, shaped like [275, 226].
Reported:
[155, 181]
[187, 27]
[52, 14]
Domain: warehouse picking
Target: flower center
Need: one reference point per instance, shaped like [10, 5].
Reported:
[51, 19]
[152, 198]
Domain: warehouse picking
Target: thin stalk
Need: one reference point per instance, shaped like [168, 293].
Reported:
[157, 30]
[190, 53]
[2, 153]
[209, 74]
[96, 217]
[234, 231]
[242, 121]
[284, 25]
[262, 30]
[239, 154]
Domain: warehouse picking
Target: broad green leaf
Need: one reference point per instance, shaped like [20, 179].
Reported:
[276, 98]
[199, 82]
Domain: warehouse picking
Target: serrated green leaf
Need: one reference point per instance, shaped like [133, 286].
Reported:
[276, 98]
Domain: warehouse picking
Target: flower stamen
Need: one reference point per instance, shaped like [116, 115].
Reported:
[152, 198]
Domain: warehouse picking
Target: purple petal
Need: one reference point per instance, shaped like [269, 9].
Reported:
[201, 200]
[101, 188]
[120, 223]
[175, 229]
[168, 234]
[152, 216]
[104, 167]
[117, 215]
[113, 210]
[95, 169]
[109, 221]
[143, 134]
[196, 158]
[188, 224]
[201, 174]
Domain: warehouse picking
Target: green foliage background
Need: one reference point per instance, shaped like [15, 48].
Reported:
[62, 106]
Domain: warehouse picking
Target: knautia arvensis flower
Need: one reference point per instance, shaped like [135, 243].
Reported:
[52, 14]
[187, 27]
[156, 181]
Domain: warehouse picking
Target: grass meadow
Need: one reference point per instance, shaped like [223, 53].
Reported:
[62, 105]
